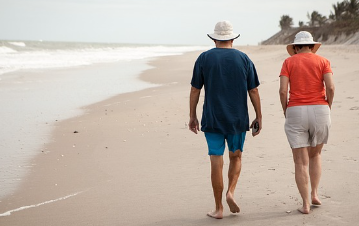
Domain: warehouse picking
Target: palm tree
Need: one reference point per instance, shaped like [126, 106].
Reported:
[285, 22]
[339, 10]
[315, 19]
[352, 7]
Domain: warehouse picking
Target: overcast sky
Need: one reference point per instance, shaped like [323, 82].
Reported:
[148, 21]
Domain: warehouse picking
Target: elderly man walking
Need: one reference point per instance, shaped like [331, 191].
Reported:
[227, 75]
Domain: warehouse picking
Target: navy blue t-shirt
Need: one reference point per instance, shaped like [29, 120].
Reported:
[227, 75]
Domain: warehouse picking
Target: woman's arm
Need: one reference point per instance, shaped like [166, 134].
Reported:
[329, 88]
[283, 92]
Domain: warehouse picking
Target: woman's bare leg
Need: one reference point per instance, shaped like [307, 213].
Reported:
[315, 171]
[301, 161]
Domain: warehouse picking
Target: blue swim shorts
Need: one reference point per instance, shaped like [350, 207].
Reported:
[216, 142]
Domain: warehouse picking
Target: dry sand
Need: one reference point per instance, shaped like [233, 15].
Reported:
[134, 162]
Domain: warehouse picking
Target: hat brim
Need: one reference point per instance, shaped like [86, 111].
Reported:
[290, 47]
[223, 37]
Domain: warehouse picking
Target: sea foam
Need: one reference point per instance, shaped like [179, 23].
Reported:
[21, 56]
[22, 44]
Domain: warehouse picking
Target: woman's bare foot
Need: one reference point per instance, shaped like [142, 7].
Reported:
[316, 201]
[216, 214]
[304, 210]
[233, 207]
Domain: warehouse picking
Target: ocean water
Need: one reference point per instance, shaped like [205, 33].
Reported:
[37, 89]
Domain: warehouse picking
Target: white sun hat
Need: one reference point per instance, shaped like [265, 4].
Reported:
[223, 31]
[303, 38]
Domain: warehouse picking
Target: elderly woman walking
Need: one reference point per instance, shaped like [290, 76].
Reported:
[307, 110]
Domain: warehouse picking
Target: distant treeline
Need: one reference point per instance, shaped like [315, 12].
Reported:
[343, 19]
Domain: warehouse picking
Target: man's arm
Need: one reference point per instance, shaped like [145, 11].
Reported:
[256, 102]
[283, 92]
[329, 88]
[193, 101]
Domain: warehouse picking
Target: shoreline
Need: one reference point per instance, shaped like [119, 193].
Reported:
[134, 156]
[48, 150]
[34, 101]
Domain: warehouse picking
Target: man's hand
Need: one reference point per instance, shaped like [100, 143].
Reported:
[260, 126]
[256, 102]
[193, 125]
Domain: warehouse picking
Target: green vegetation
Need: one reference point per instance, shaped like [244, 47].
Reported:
[343, 19]
[345, 16]
[316, 19]
[285, 22]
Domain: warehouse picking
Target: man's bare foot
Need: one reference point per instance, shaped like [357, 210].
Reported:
[316, 201]
[304, 210]
[233, 207]
[216, 214]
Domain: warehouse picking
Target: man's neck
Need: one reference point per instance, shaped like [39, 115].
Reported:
[224, 44]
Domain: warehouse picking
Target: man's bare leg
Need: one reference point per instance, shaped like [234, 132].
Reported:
[235, 164]
[315, 171]
[301, 161]
[217, 185]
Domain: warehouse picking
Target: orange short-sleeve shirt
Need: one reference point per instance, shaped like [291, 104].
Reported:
[306, 81]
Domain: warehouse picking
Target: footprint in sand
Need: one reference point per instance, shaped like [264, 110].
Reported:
[350, 97]
[354, 108]
[325, 196]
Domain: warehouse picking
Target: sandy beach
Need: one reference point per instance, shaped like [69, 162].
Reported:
[133, 161]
